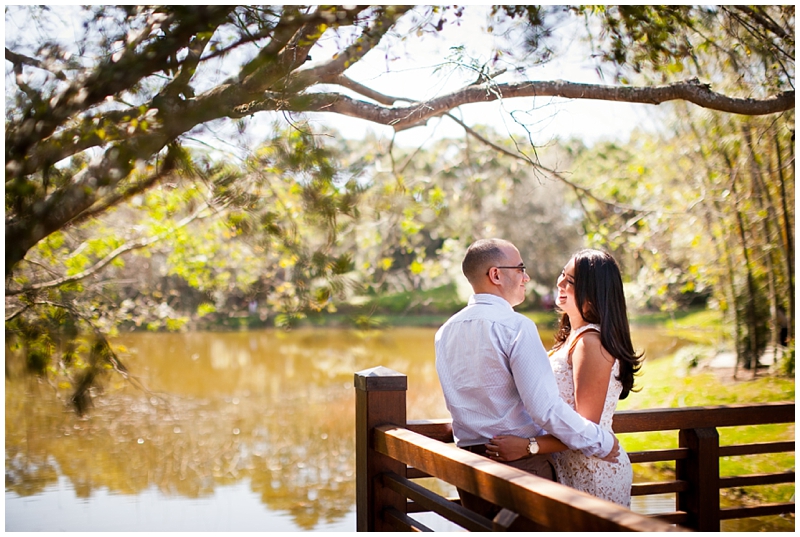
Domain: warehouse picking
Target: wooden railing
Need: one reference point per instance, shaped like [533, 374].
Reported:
[697, 481]
[391, 452]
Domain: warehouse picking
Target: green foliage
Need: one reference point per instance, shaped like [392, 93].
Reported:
[205, 308]
[58, 344]
[368, 322]
[689, 357]
[646, 36]
[785, 363]
[440, 299]
[288, 320]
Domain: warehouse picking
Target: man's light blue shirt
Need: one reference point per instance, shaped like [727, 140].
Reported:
[497, 379]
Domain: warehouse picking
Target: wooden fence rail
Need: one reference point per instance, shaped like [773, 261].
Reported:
[391, 452]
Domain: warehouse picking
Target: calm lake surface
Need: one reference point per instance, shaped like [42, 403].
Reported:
[244, 431]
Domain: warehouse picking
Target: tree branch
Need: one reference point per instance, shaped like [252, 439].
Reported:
[368, 40]
[410, 116]
[759, 28]
[111, 77]
[276, 61]
[42, 217]
[20, 59]
[93, 131]
[361, 89]
[763, 21]
[17, 313]
[288, 49]
[166, 168]
[180, 83]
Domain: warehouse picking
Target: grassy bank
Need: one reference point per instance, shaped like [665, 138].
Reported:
[430, 308]
[666, 383]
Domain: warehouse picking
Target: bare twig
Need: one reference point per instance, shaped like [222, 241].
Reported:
[579, 190]
[17, 313]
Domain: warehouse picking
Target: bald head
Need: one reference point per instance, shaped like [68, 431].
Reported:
[482, 255]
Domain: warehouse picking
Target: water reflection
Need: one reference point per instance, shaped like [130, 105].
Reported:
[270, 411]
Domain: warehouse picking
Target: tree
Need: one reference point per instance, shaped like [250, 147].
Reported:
[139, 81]
[703, 213]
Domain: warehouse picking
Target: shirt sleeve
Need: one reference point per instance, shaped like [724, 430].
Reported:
[538, 390]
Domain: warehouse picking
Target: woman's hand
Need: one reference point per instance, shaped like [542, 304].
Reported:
[507, 448]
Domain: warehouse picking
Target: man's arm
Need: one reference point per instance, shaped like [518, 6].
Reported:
[537, 388]
[511, 448]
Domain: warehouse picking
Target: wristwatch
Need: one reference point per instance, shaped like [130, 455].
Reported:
[533, 446]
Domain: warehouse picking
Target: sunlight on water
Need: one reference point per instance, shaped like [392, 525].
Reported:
[655, 503]
[228, 508]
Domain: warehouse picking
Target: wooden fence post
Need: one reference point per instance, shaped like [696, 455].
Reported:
[701, 470]
[380, 400]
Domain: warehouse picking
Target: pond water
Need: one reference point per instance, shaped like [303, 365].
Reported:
[244, 431]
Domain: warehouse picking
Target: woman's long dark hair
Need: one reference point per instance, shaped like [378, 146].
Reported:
[600, 299]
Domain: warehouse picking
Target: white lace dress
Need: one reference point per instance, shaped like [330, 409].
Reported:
[591, 475]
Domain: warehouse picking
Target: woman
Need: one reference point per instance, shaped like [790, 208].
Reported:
[594, 365]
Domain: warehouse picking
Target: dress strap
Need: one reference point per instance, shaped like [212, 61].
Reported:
[579, 334]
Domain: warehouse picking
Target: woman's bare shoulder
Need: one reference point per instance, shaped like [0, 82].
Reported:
[589, 346]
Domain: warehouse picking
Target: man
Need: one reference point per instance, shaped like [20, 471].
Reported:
[495, 373]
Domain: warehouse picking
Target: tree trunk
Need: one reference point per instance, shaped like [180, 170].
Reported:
[750, 356]
[760, 193]
[788, 238]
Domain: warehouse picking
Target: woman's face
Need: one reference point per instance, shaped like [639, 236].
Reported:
[566, 289]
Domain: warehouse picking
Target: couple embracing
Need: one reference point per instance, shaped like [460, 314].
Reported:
[510, 402]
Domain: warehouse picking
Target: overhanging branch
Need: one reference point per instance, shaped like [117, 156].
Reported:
[409, 116]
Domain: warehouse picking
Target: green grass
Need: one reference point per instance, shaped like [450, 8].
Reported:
[442, 299]
[696, 318]
[543, 319]
[667, 385]
[697, 324]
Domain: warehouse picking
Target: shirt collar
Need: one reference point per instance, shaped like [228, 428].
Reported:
[492, 300]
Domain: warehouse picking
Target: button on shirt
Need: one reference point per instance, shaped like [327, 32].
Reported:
[496, 379]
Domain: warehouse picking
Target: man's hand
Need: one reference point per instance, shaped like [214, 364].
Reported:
[507, 448]
[613, 455]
